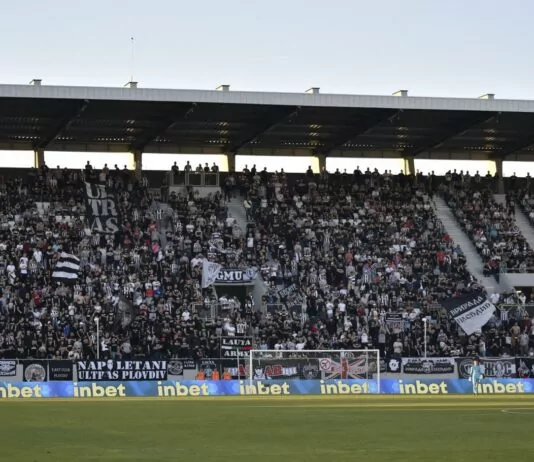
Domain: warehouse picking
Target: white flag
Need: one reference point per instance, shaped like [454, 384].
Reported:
[210, 271]
[471, 312]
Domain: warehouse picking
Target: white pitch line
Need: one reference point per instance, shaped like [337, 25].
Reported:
[522, 411]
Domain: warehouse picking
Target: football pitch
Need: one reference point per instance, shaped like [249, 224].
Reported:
[370, 429]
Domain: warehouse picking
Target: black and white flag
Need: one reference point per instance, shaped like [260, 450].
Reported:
[101, 209]
[67, 269]
[471, 312]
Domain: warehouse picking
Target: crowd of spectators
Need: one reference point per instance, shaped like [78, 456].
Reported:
[491, 226]
[360, 249]
[351, 261]
[142, 282]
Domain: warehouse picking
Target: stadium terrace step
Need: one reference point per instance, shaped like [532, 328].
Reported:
[524, 226]
[500, 198]
[474, 262]
[236, 209]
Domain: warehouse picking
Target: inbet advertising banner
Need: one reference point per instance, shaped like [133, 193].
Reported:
[193, 388]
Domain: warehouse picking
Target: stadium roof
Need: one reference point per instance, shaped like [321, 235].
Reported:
[217, 122]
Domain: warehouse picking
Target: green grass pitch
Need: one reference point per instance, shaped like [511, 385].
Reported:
[307, 429]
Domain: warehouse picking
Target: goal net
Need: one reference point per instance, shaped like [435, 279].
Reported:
[314, 365]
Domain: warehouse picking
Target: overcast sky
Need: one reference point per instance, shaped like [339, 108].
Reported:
[431, 47]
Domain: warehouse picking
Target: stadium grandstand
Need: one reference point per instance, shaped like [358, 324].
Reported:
[317, 259]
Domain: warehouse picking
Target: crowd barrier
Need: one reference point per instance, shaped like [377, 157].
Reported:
[281, 388]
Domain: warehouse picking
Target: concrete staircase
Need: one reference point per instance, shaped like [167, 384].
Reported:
[474, 261]
[527, 230]
[236, 209]
[500, 198]
[522, 221]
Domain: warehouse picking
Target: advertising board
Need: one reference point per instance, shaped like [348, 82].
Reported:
[192, 388]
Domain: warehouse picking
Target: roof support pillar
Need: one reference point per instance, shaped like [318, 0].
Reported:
[499, 186]
[138, 162]
[38, 158]
[321, 158]
[230, 158]
[409, 165]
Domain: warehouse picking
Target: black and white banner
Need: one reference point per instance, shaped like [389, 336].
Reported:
[67, 269]
[34, 370]
[101, 209]
[493, 367]
[8, 368]
[394, 365]
[110, 370]
[395, 322]
[178, 366]
[471, 312]
[60, 370]
[236, 276]
[235, 347]
[287, 291]
[423, 366]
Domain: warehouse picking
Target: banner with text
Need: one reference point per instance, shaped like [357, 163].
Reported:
[102, 209]
[60, 370]
[422, 366]
[236, 276]
[8, 368]
[95, 371]
[178, 366]
[192, 388]
[395, 322]
[493, 367]
[471, 312]
[235, 347]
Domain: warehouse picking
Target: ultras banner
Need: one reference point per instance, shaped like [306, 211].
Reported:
[192, 388]
[101, 209]
[121, 370]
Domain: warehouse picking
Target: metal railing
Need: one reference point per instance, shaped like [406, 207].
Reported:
[193, 179]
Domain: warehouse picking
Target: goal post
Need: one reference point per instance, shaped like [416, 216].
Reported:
[315, 365]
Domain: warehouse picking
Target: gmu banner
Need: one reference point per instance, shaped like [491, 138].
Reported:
[236, 276]
[493, 367]
[110, 370]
